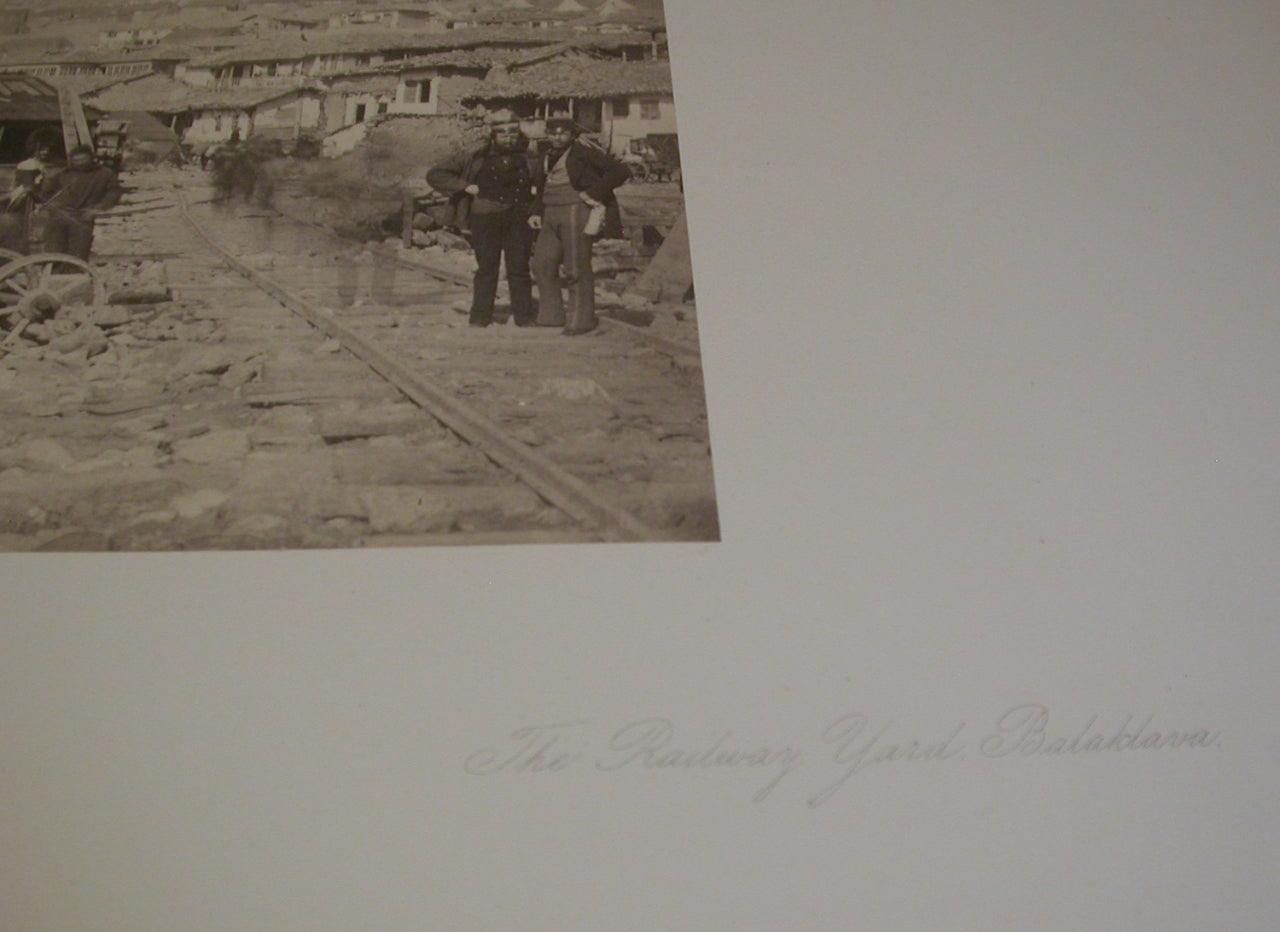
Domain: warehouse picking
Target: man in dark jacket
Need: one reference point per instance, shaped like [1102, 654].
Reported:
[72, 199]
[577, 178]
[492, 190]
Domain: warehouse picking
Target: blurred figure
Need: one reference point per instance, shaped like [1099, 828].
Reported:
[223, 159]
[257, 173]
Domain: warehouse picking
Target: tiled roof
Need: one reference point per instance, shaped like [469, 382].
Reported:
[364, 83]
[96, 56]
[160, 94]
[293, 48]
[242, 98]
[577, 77]
[155, 93]
[454, 58]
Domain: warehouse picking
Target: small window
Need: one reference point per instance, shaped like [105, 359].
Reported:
[382, 107]
[649, 110]
[621, 108]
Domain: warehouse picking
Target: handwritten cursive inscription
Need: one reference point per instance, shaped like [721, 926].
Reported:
[857, 749]
[533, 749]
[1024, 731]
[847, 746]
[650, 743]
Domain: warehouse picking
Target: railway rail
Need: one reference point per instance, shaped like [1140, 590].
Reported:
[295, 391]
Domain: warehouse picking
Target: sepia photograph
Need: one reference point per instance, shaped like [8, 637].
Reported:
[974, 628]
[345, 274]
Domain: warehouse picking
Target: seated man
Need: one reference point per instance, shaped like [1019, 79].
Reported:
[15, 219]
[72, 199]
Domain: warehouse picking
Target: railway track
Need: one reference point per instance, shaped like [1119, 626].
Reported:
[297, 391]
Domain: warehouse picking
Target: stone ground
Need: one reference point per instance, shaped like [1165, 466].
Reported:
[206, 416]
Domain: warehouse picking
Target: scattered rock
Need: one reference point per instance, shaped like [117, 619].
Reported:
[204, 361]
[412, 466]
[140, 425]
[633, 301]
[636, 317]
[259, 526]
[278, 482]
[18, 515]
[105, 364]
[41, 454]
[13, 477]
[341, 503]
[76, 541]
[288, 425]
[213, 447]
[108, 317]
[528, 436]
[107, 459]
[241, 373]
[160, 517]
[574, 389]
[88, 338]
[451, 240]
[401, 509]
[142, 294]
[194, 504]
[345, 424]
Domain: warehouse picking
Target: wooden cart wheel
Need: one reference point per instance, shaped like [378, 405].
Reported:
[37, 286]
[8, 255]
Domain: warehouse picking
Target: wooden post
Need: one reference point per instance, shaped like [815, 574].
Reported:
[75, 129]
[406, 222]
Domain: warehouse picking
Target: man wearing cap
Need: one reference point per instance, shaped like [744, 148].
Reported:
[73, 198]
[492, 190]
[577, 177]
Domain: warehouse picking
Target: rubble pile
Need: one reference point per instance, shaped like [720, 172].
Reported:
[173, 424]
[97, 401]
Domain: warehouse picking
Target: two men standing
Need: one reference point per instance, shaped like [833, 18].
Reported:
[68, 200]
[504, 191]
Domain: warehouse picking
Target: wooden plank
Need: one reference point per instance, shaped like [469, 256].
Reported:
[75, 128]
[69, 140]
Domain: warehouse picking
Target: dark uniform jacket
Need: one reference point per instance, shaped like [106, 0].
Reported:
[95, 188]
[452, 176]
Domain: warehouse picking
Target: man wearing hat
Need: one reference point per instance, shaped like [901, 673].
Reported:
[491, 190]
[576, 176]
[73, 198]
